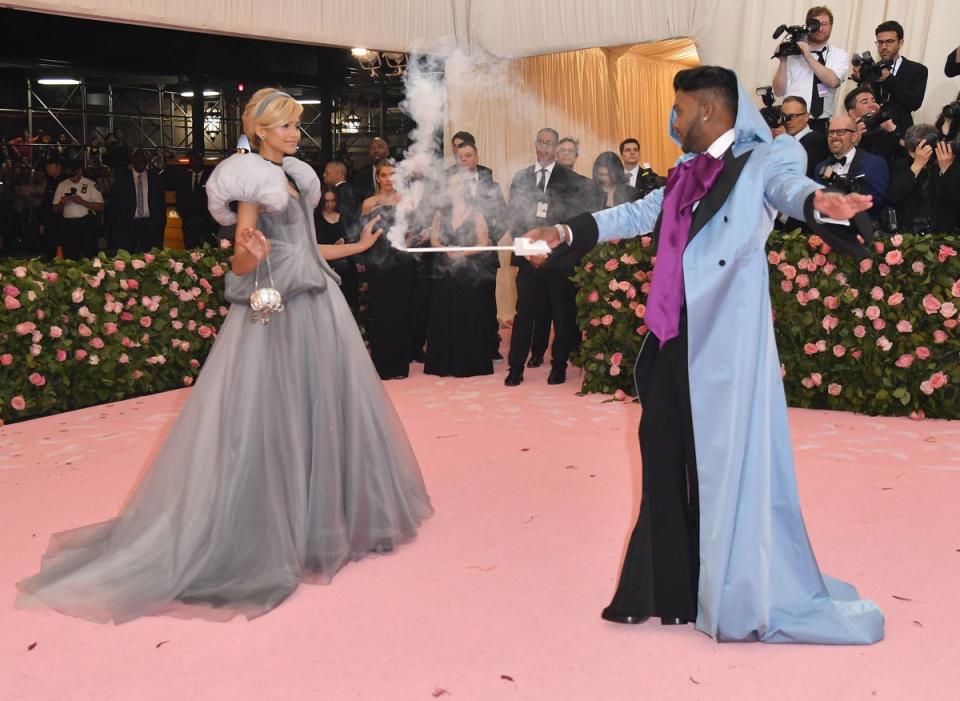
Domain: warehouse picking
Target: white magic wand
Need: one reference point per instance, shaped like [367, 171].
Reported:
[521, 246]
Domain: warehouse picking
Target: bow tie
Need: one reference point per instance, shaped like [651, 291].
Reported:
[835, 161]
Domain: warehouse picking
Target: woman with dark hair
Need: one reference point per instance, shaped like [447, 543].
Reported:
[948, 123]
[612, 187]
[331, 231]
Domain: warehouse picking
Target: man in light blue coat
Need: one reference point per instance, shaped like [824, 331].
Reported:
[720, 539]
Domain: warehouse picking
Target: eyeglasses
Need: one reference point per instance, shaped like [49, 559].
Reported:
[840, 132]
[887, 42]
[790, 117]
[540, 142]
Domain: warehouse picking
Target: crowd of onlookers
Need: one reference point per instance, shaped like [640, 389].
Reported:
[868, 141]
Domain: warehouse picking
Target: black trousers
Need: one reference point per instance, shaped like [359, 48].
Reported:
[538, 290]
[138, 235]
[662, 566]
[199, 231]
[79, 238]
[541, 330]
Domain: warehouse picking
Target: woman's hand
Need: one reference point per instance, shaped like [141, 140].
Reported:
[254, 242]
[369, 235]
[945, 156]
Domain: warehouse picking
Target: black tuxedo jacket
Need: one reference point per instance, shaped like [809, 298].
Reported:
[951, 69]
[192, 200]
[123, 201]
[875, 170]
[363, 183]
[903, 93]
[929, 196]
[815, 144]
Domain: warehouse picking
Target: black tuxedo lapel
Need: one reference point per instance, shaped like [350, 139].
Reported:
[854, 167]
[714, 199]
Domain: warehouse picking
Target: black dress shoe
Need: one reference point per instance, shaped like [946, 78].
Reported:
[514, 378]
[557, 377]
[667, 621]
[535, 361]
[615, 617]
[497, 357]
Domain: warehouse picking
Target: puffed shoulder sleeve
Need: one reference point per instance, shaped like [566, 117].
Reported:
[245, 177]
[306, 179]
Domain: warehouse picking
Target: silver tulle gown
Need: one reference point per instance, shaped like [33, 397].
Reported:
[287, 461]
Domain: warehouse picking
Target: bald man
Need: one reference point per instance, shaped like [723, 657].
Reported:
[846, 159]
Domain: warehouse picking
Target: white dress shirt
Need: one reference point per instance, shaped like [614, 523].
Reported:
[800, 77]
[547, 172]
[85, 188]
[141, 185]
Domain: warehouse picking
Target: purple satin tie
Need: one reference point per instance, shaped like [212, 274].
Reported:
[686, 185]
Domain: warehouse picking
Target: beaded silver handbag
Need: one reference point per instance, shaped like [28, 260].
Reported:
[264, 301]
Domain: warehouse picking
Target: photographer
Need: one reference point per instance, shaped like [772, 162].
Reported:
[948, 123]
[852, 169]
[816, 73]
[78, 201]
[952, 67]
[796, 122]
[901, 83]
[878, 131]
[925, 188]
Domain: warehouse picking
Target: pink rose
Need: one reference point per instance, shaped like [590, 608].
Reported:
[76, 296]
[592, 297]
[623, 285]
[917, 267]
[773, 258]
[829, 268]
[876, 293]
[802, 298]
[814, 241]
[6, 359]
[879, 324]
[11, 303]
[611, 265]
[50, 277]
[884, 343]
[786, 285]
[84, 330]
[878, 246]
[138, 264]
[627, 259]
[904, 361]
[616, 358]
[606, 320]
[856, 354]
[179, 324]
[829, 323]
[939, 336]
[137, 374]
[802, 280]
[194, 363]
[873, 312]
[640, 310]
[950, 323]
[615, 370]
[96, 342]
[834, 389]
[123, 359]
[191, 325]
[809, 349]
[613, 285]
[938, 380]
[839, 351]
[25, 327]
[821, 345]
[817, 378]
[145, 321]
[896, 239]
[904, 326]
[55, 332]
[789, 272]
[926, 387]
[923, 352]
[945, 252]
[126, 316]
[865, 265]
[931, 304]
[642, 329]
[109, 328]
[917, 415]
[119, 265]
[11, 290]
[216, 271]
[631, 294]
[586, 266]
[894, 257]
[645, 241]
[807, 382]
[831, 302]
[955, 288]
[223, 310]
[948, 309]
[80, 354]
[37, 380]
[819, 260]
[616, 304]
[35, 349]
[60, 355]
[187, 381]
[895, 299]
[619, 395]
[18, 403]
[133, 284]
[149, 257]
[813, 293]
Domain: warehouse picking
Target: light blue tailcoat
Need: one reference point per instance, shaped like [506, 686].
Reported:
[759, 579]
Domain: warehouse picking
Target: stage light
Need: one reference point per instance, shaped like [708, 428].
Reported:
[206, 93]
[58, 81]
[240, 87]
[351, 123]
[358, 52]
[309, 102]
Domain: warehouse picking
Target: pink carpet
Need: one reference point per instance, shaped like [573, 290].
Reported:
[535, 491]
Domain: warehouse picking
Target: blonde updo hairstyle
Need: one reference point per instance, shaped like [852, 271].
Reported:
[268, 108]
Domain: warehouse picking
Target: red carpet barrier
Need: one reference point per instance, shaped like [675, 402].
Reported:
[876, 336]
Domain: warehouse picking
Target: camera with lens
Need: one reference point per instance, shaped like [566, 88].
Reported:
[772, 114]
[873, 121]
[847, 184]
[795, 33]
[953, 144]
[951, 111]
[870, 70]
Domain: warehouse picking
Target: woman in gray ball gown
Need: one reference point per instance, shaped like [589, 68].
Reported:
[287, 460]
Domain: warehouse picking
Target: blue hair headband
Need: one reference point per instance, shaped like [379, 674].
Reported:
[267, 100]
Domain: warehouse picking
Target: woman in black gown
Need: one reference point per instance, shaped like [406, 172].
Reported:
[463, 292]
[331, 231]
[391, 279]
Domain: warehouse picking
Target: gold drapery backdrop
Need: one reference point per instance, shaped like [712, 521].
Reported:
[597, 96]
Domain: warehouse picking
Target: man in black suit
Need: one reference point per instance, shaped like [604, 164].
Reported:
[541, 195]
[49, 226]
[797, 125]
[853, 162]
[191, 188]
[364, 181]
[137, 210]
[902, 87]
[881, 139]
[925, 187]
[348, 204]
